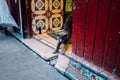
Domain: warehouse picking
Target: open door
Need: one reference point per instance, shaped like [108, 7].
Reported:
[48, 17]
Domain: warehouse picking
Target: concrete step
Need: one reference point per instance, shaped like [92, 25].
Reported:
[43, 50]
[74, 75]
[63, 65]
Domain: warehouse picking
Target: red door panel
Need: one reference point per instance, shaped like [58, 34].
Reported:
[81, 27]
[118, 61]
[112, 37]
[74, 28]
[90, 28]
[9, 4]
[15, 11]
[102, 22]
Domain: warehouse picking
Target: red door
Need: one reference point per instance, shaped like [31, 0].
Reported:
[74, 28]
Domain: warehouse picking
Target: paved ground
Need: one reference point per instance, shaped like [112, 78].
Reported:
[17, 62]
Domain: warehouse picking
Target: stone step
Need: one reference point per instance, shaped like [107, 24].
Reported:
[63, 64]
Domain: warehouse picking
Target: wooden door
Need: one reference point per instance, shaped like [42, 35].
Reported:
[74, 28]
[112, 39]
[96, 32]
[47, 15]
[15, 11]
[81, 26]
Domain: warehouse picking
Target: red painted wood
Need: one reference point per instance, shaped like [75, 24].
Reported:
[112, 37]
[118, 61]
[102, 22]
[81, 27]
[15, 11]
[28, 18]
[9, 4]
[90, 28]
[74, 28]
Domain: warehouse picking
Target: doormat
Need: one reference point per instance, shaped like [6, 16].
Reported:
[84, 71]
